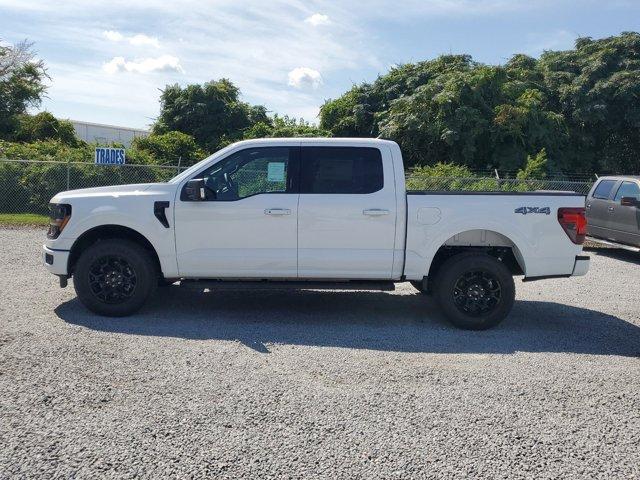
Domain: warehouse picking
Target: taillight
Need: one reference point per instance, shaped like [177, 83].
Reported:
[59, 215]
[574, 223]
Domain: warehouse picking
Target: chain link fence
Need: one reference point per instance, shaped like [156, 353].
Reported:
[26, 186]
[489, 184]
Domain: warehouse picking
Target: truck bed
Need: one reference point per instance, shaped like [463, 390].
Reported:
[526, 222]
[541, 193]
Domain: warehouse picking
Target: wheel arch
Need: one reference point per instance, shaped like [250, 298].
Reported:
[110, 231]
[486, 241]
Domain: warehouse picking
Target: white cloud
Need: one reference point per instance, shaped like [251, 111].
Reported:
[226, 41]
[137, 40]
[141, 39]
[304, 77]
[113, 35]
[164, 63]
[318, 19]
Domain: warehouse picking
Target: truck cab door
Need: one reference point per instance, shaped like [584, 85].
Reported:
[246, 224]
[600, 207]
[625, 221]
[347, 213]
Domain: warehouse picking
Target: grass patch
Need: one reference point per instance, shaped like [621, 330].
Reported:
[23, 219]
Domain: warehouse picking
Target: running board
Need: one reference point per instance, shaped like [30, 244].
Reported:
[235, 285]
[631, 248]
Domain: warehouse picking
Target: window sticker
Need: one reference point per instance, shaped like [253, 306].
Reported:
[275, 172]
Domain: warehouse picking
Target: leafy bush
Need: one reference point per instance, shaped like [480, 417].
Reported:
[44, 126]
[285, 127]
[169, 148]
[441, 176]
[46, 150]
[14, 197]
[536, 167]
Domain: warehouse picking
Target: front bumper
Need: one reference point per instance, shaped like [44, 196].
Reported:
[56, 261]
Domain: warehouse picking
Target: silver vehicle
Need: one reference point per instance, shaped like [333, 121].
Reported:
[613, 210]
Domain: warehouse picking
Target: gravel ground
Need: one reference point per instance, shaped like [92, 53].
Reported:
[318, 384]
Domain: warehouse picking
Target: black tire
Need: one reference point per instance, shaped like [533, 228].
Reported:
[115, 277]
[475, 290]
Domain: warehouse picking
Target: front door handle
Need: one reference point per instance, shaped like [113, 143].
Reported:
[375, 212]
[611, 209]
[277, 211]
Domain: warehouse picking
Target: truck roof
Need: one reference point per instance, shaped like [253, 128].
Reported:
[619, 177]
[315, 140]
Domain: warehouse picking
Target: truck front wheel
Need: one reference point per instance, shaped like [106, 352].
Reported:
[115, 277]
[475, 290]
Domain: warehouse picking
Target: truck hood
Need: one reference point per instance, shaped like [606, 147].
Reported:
[113, 191]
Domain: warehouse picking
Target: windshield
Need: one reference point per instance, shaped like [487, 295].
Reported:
[194, 168]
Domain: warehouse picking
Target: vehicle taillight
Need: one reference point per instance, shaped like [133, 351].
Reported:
[574, 223]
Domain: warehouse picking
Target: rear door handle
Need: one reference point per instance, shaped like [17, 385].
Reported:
[277, 211]
[375, 212]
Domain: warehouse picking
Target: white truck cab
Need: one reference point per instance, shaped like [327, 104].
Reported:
[311, 213]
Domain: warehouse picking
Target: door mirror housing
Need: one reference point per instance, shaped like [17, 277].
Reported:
[629, 202]
[194, 191]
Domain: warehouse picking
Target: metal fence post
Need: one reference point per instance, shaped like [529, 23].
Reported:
[68, 173]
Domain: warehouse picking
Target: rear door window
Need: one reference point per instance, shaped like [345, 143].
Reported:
[603, 190]
[628, 189]
[341, 170]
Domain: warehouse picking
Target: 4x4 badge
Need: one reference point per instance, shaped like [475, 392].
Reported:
[526, 210]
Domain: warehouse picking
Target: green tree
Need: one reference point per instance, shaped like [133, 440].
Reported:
[211, 113]
[596, 87]
[170, 148]
[44, 126]
[536, 167]
[449, 118]
[350, 115]
[285, 127]
[581, 105]
[21, 83]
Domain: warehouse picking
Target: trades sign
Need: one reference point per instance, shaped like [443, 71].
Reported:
[109, 156]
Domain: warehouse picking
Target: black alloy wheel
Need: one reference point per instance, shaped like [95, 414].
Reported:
[112, 279]
[477, 293]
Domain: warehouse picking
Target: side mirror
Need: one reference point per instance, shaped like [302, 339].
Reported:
[629, 202]
[194, 190]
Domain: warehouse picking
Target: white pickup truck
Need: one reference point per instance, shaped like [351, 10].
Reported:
[311, 214]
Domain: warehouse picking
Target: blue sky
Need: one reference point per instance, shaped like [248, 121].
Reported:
[109, 60]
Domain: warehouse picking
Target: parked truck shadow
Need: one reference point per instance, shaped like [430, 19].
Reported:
[363, 320]
[616, 253]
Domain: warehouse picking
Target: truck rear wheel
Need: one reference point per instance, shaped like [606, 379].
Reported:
[475, 290]
[115, 277]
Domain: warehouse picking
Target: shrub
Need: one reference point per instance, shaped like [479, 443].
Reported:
[44, 126]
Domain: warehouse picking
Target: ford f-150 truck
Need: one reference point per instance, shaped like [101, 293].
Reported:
[311, 214]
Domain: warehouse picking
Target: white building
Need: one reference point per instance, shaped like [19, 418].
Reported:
[105, 134]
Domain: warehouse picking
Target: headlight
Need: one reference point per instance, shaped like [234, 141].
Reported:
[59, 215]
